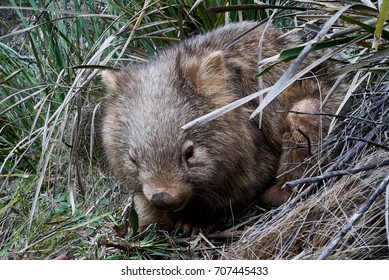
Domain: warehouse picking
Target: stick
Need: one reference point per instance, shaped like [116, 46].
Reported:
[122, 245]
[336, 173]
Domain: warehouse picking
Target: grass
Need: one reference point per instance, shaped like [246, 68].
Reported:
[56, 197]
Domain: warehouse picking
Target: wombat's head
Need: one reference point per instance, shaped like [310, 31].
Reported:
[144, 110]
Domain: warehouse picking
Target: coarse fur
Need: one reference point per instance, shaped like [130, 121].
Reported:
[197, 177]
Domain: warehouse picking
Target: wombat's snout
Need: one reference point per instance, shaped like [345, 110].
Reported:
[168, 197]
[164, 201]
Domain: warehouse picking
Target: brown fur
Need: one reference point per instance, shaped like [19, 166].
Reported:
[194, 178]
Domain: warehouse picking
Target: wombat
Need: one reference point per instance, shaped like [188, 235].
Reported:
[193, 179]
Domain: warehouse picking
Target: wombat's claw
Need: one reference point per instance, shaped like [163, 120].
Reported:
[186, 229]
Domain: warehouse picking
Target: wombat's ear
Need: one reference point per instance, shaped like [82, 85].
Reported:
[212, 74]
[112, 80]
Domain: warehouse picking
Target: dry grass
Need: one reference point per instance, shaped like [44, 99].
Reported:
[308, 226]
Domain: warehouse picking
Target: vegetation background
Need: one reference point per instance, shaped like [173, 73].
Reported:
[57, 200]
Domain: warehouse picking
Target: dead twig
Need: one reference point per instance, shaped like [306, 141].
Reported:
[122, 245]
[337, 173]
[225, 234]
[369, 142]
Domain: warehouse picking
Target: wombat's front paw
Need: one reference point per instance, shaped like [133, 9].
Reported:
[148, 214]
[164, 223]
[186, 228]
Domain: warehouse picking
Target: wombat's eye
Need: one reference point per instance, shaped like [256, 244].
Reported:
[188, 153]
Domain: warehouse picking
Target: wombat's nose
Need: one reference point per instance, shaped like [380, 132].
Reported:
[165, 201]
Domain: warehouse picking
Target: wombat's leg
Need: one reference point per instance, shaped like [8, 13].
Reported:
[301, 136]
[149, 214]
[186, 228]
